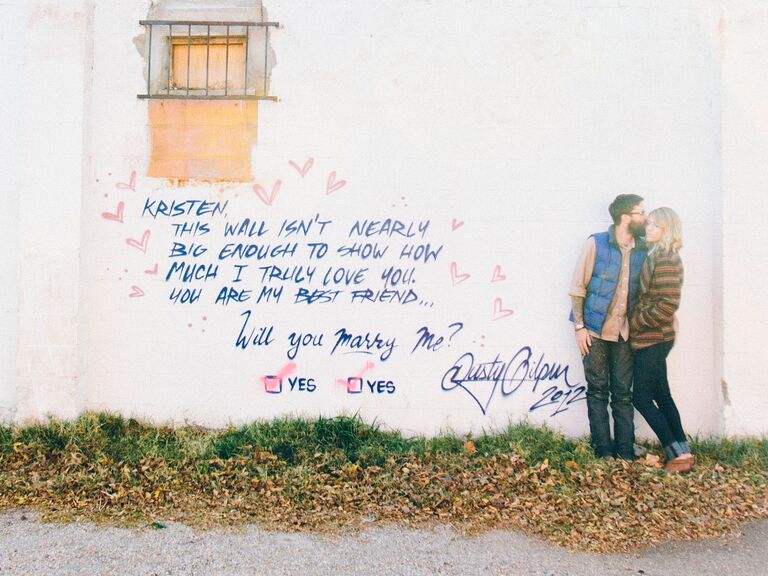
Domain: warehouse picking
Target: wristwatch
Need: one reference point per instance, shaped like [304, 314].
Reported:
[578, 327]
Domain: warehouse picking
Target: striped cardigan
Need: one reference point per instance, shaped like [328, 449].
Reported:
[653, 317]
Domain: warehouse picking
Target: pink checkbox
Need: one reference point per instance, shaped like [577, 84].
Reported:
[354, 385]
[273, 384]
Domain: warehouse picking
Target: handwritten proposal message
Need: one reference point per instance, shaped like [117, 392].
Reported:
[235, 256]
[256, 262]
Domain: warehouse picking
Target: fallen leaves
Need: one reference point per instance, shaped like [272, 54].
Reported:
[653, 461]
[587, 505]
[602, 507]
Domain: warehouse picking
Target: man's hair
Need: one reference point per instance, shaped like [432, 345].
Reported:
[623, 204]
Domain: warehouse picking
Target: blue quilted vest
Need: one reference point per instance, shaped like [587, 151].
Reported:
[605, 278]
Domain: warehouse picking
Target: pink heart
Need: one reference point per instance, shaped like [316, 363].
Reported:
[457, 278]
[262, 194]
[456, 224]
[497, 275]
[130, 185]
[136, 292]
[152, 271]
[140, 245]
[304, 169]
[117, 216]
[332, 185]
[499, 312]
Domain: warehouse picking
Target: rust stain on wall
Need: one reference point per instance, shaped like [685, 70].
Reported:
[208, 140]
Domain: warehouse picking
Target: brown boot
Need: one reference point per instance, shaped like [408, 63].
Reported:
[678, 465]
[690, 457]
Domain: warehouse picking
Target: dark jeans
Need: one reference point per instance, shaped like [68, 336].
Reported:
[652, 397]
[608, 370]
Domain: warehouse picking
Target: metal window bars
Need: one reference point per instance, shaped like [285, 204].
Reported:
[171, 88]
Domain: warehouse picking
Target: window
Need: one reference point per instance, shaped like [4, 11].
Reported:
[207, 60]
[214, 64]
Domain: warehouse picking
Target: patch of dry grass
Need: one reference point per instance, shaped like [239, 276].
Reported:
[339, 473]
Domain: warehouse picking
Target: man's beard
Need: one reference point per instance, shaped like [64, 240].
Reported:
[637, 230]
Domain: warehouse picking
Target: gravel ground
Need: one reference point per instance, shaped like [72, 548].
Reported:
[28, 547]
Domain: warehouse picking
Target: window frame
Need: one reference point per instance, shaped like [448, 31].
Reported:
[187, 93]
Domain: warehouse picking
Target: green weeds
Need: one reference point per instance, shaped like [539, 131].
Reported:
[345, 438]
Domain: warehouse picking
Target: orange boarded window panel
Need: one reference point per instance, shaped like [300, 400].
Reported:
[216, 64]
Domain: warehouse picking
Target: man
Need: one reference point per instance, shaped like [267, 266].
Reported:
[603, 291]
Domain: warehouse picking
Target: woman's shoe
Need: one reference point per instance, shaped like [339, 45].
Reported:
[678, 465]
[686, 447]
[690, 458]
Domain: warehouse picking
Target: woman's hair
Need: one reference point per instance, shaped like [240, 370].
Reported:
[668, 220]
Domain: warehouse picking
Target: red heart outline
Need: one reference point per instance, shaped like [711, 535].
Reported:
[457, 278]
[499, 312]
[142, 245]
[130, 185]
[117, 216]
[304, 169]
[262, 194]
[331, 186]
[136, 292]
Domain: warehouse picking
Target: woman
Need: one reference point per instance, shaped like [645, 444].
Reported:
[652, 329]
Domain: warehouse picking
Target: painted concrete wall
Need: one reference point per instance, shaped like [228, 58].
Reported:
[47, 67]
[10, 70]
[745, 210]
[499, 130]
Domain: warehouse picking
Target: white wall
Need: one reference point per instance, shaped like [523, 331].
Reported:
[46, 105]
[745, 210]
[12, 37]
[521, 120]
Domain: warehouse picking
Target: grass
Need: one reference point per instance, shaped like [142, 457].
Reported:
[751, 452]
[331, 473]
[348, 438]
[292, 440]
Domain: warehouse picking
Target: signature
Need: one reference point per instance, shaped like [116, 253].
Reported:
[509, 376]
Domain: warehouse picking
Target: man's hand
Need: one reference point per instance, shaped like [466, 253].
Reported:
[584, 340]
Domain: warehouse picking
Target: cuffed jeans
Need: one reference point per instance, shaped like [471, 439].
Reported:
[608, 370]
[652, 397]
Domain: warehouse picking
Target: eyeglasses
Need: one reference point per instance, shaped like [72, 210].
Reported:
[641, 213]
